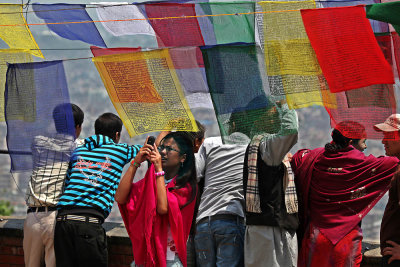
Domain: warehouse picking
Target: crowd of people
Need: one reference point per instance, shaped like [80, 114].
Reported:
[203, 202]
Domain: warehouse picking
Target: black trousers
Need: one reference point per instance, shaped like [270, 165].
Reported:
[80, 244]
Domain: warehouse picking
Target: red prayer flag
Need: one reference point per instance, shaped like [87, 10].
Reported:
[346, 48]
[175, 31]
[185, 58]
[367, 106]
[385, 43]
[396, 48]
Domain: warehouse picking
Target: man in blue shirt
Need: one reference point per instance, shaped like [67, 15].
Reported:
[93, 176]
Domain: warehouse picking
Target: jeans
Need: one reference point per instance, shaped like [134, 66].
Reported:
[220, 243]
[191, 253]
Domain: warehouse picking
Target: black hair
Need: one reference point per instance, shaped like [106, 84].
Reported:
[199, 135]
[339, 141]
[344, 132]
[78, 115]
[355, 141]
[108, 124]
[187, 172]
[60, 113]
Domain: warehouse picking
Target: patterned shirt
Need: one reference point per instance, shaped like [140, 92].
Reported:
[94, 174]
[50, 164]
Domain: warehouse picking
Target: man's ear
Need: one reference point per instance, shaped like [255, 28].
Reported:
[78, 130]
[117, 137]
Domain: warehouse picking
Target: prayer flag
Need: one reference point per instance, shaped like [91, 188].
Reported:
[377, 26]
[33, 91]
[346, 48]
[291, 63]
[127, 78]
[237, 28]
[385, 43]
[396, 49]
[17, 35]
[238, 93]
[108, 11]
[59, 15]
[97, 51]
[9, 56]
[146, 91]
[189, 66]
[387, 12]
[358, 105]
[174, 31]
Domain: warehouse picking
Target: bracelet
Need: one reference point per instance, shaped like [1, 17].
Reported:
[161, 173]
[135, 164]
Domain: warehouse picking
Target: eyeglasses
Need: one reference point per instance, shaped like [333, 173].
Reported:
[167, 148]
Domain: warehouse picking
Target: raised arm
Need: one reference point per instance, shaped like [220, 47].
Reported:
[162, 201]
[274, 147]
[124, 187]
[171, 124]
[160, 136]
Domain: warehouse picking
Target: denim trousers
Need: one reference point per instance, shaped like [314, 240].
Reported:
[191, 253]
[219, 243]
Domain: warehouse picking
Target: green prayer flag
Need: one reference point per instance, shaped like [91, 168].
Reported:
[237, 28]
[386, 12]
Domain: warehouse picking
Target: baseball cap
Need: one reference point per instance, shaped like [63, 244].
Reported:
[391, 124]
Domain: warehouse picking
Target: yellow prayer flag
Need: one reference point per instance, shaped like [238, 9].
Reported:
[146, 91]
[17, 37]
[289, 56]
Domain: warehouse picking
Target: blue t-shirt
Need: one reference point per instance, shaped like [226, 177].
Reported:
[94, 173]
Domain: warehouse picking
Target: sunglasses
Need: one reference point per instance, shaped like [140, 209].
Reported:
[167, 148]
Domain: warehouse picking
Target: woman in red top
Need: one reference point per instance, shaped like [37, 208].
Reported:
[158, 210]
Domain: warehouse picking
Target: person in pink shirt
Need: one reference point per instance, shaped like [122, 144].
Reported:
[158, 210]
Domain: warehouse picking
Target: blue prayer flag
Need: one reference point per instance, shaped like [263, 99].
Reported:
[36, 105]
[56, 13]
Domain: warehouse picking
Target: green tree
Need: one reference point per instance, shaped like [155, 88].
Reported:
[5, 208]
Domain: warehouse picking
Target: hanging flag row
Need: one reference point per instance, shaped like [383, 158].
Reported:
[172, 24]
[163, 20]
[307, 55]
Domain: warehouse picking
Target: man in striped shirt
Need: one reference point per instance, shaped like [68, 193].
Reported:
[93, 176]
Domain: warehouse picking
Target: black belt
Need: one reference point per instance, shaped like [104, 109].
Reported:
[79, 218]
[41, 209]
[230, 217]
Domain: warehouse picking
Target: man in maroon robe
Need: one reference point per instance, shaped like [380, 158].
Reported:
[337, 186]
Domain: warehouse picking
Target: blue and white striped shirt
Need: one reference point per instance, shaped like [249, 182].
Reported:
[94, 173]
